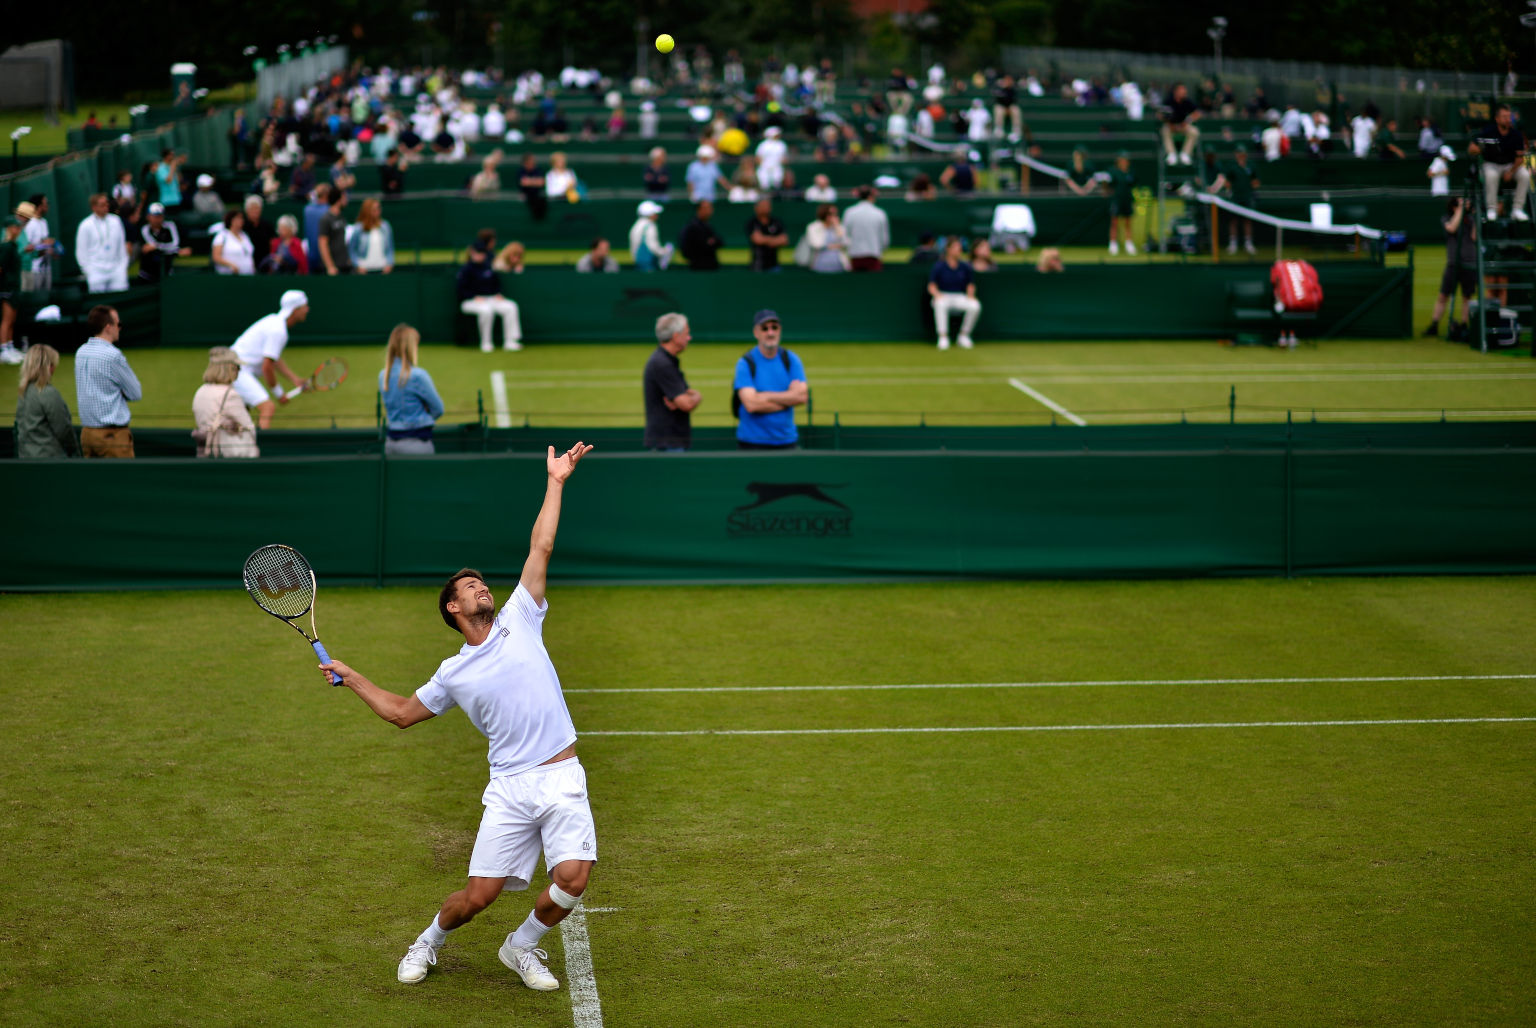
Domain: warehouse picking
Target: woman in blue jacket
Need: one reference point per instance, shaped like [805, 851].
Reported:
[371, 242]
[411, 403]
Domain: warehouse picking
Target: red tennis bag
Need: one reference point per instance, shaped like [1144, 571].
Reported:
[1296, 286]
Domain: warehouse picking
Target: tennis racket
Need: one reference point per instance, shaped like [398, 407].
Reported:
[282, 583]
[328, 375]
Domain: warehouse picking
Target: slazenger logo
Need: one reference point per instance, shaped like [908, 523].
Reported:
[775, 513]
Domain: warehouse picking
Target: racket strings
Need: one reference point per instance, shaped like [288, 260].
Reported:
[330, 374]
[280, 581]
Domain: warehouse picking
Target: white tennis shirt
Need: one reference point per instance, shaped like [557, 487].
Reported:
[265, 338]
[508, 689]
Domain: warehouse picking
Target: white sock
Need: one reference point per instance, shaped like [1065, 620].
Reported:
[529, 932]
[434, 936]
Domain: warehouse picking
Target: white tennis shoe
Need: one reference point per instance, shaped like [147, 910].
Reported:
[416, 962]
[528, 963]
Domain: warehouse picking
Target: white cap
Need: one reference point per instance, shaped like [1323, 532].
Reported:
[705, 151]
[156, 208]
[1447, 152]
[292, 300]
[48, 313]
[204, 181]
[773, 132]
[649, 208]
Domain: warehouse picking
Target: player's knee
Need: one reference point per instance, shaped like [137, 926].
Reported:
[480, 894]
[571, 876]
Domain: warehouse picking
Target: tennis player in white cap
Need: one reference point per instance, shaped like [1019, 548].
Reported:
[260, 349]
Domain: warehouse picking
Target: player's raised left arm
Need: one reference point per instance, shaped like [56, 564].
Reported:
[542, 544]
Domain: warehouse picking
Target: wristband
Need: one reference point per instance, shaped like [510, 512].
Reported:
[277, 391]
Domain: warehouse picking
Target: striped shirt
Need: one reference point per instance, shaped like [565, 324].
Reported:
[104, 385]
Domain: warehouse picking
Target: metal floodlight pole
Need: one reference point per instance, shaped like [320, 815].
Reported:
[1217, 31]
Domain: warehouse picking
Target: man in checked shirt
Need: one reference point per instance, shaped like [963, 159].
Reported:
[104, 387]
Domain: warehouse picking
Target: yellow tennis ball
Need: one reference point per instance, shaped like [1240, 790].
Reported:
[664, 43]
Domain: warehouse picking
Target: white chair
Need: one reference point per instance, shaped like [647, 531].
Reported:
[1013, 226]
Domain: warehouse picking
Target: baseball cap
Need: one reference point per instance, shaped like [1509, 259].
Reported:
[156, 208]
[204, 181]
[773, 132]
[764, 315]
[1447, 152]
[292, 300]
[648, 208]
[705, 151]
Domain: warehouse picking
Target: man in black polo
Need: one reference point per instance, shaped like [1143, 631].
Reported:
[668, 399]
[1503, 149]
[1179, 119]
[767, 234]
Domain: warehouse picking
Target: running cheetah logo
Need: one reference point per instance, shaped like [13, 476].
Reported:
[769, 492]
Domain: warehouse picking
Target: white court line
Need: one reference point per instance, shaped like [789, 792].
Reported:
[1042, 398]
[499, 398]
[586, 1008]
[1067, 685]
[1078, 728]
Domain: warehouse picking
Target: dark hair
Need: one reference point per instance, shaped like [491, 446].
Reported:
[38, 198]
[486, 236]
[229, 218]
[99, 318]
[1499, 107]
[864, 192]
[824, 210]
[337, 196]
[394, 151]
[450, 587]
[595, 241]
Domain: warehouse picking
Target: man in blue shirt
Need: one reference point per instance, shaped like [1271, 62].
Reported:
[104, 387]
[702, 175]
[952, 284]
[318, 207]
[770, 384]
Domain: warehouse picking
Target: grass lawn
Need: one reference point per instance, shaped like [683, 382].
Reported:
[199, 832]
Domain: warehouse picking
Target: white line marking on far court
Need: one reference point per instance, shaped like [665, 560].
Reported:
[499, 398]
[1040, 397]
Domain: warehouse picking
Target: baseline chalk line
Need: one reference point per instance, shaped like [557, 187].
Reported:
[1040, 397]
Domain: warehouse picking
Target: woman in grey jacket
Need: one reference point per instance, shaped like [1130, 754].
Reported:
[43, 427]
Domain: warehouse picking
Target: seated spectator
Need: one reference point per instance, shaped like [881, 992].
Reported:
[645, 241]
[123, 193]
[335, 259]
[232, 250]
[699, 243]
[1429, 139]
[1386, 142]
[960, 175]
[266, 184]
[703, 175]
[287, 254]
[658, 180]
[559, 180]
[926, 251]
[827, 241]
[223, 423]
[205, 201]
[302, 182]
[597, 258]
[257, 228]
[159, 245]
[371, 244]
[1050, 261]
[531, 181]
[43, 427]
[479, 289]
[411, 403]
[494, 123]
[771, 154]
[487, 181]
[981, 257]
[1179, 119]
[510, 258]
[952, 284]
[922, 188]
[744, 185]
[829, 144]
[616, 123]
[341, 176]
[821, 190]
[392, 174]
[1273, 139]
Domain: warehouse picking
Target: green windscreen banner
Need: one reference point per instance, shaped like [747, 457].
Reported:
[799, 516]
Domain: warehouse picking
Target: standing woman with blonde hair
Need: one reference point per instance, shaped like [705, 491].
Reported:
[224, 425]
[373, 244]
[411, 403]
[43, 427]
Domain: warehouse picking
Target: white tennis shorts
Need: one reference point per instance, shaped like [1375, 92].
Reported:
[544, 807]
[250, 388]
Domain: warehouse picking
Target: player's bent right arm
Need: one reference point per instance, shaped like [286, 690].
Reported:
[400, 711]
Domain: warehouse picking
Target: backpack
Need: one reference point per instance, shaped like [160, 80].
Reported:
[752, 370]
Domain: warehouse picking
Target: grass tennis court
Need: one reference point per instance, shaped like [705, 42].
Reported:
[200, 832]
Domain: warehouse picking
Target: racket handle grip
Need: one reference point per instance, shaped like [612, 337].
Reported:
[325, 658]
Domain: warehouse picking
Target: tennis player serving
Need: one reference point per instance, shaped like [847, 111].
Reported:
[503, 679]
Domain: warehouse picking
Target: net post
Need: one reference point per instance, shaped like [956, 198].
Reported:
[1232, 405]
